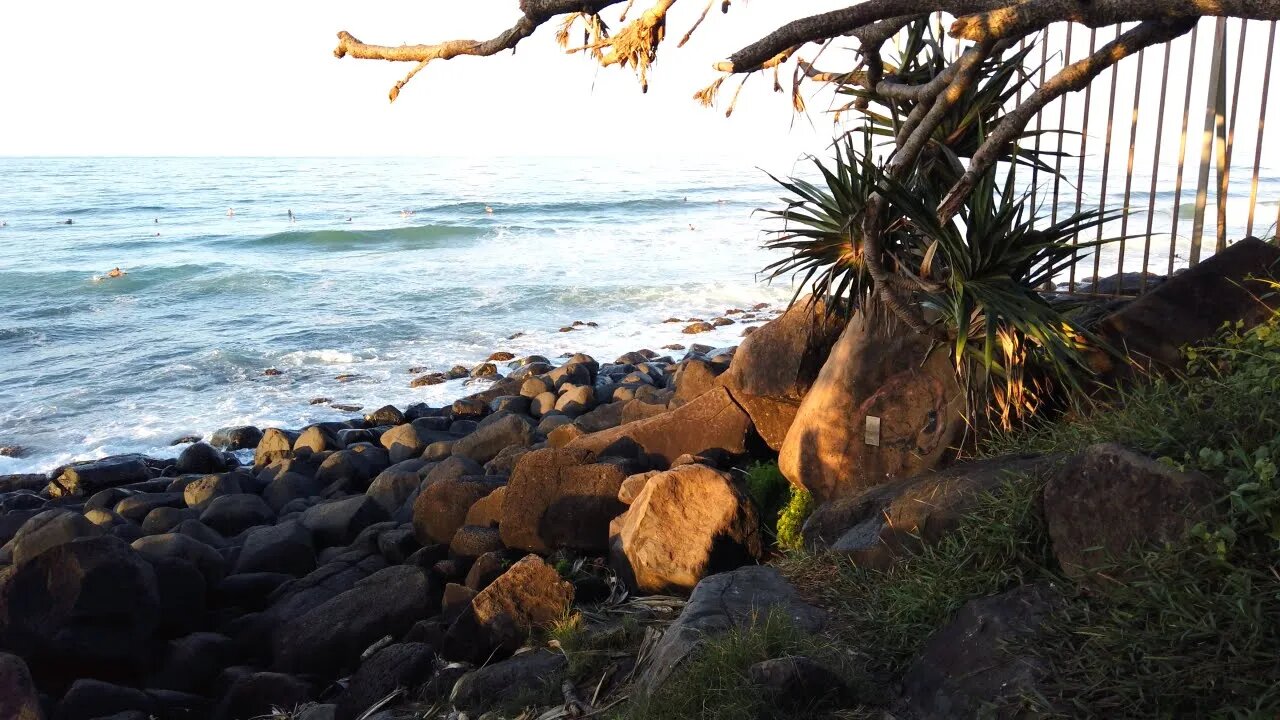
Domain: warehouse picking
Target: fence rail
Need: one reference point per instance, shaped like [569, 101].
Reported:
[1162, 135]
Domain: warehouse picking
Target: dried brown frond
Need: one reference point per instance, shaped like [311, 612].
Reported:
[707, 95]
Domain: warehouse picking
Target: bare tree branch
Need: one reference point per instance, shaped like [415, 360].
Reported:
[1071, 78]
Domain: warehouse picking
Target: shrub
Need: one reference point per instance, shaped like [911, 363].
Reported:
[792, 518]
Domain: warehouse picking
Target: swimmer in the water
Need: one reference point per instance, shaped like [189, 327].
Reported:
[488, 209]
[157, 221]
[290, 215]
[406, 213]
[348, 219]
[117, 272]
[68, 221]
[231, 212]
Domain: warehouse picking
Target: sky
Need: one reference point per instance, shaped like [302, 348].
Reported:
[152, 77]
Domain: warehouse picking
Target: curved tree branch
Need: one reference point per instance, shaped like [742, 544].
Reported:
[1071, 78]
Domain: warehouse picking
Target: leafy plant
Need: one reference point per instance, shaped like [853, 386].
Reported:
[792, 518]
[976, 276]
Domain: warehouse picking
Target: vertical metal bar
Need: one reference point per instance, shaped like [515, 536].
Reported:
[1084, 141]
[1262, 125]
[1062, 123]
[1182, 151]
[1035, 169]
[1106, 168]
[1224, 153]
[1128, 176]
[1212, 119]
[1155, 172]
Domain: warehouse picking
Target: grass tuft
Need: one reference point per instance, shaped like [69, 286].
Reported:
[714, 684]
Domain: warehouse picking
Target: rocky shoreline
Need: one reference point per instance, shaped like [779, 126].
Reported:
[415, 547]
[441, 561]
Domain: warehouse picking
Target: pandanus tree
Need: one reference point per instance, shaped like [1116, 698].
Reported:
[918, 221]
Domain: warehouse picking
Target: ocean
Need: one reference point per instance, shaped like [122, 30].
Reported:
[354, 286]
[387, 264]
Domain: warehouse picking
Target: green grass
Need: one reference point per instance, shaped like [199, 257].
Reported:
[590, 648]
[714, 684]
[783, 507]
[1194, 630]
[1000, 544]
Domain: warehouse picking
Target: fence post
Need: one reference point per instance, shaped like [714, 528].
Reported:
[1214, 129]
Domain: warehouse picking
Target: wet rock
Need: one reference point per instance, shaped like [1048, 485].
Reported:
[685, 524]
[236, 437]
[457, 372]
[721, 322]
[204, 458]
[428, 379]
[274, 445]
[82, 479]
[698, 327]
[484, 370]
[472, 408]
[1108, 501]
[385, 415]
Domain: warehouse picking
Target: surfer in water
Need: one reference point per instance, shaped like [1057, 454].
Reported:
[68, 221]
[116, 272]
[290, 214]
[488, 209]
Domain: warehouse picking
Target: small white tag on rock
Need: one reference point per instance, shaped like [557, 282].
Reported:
[873, 431]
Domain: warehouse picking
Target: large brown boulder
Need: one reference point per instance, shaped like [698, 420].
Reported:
[1192, 306]
[881, 525]
[528, 596]
[560, 499]
[777, 364]
[885, 405]
[1108, 500]
[441, 508]
[710, 423]
[687, 523]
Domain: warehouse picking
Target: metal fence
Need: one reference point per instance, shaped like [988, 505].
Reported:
[1176, 134]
